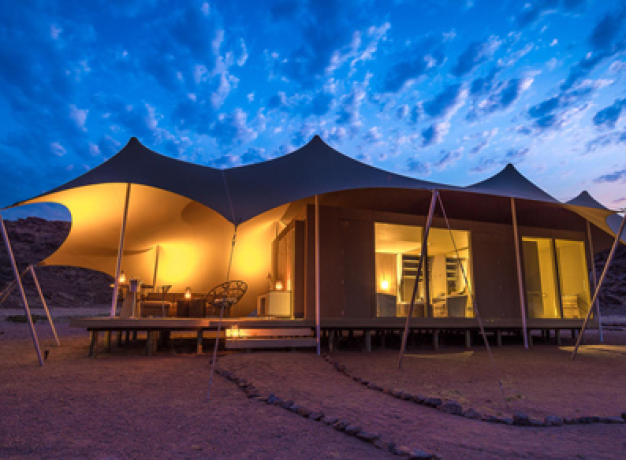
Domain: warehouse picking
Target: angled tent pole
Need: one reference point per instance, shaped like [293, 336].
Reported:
[595, 294]
[594, 278]
[31, 268]
[520, 283]
[4, 295]
[474, 303]
[120, 251]
[18, 280]
[429, 221]
[317, 275]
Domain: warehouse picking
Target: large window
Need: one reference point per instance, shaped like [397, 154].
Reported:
[398, 253]
[556, 276]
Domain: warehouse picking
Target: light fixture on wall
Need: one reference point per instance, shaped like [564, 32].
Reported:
[122, 278]
[384, 285]
[188, 293]
[279, 286]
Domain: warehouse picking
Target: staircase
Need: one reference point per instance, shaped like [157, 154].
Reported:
[247, 339]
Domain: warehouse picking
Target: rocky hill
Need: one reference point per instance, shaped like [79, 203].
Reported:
[32, 241]
[35, 239]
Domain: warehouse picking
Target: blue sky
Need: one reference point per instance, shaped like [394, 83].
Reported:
[446, 90]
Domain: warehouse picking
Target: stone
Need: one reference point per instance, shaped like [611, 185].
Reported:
[396, 393]
[570, 421]
[341, 424]
[406, 396]
[505, 420]
[364, 382]
[327, 420]
[521, 419]
[352, 429]
[294, 408]
[451, 407]
[356, 379]
[553, 420]
[402, 451]
[420, 454]
[316, 416]
[373, 386]
[432, 402]
[535, 423]
[388, 391]
[612, 420]
[471, 414]
[286, 404]
[303, 411]
[367, 436]
[490, 419]
[419, 399]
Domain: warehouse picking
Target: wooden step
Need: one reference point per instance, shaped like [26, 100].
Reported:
[282, 342]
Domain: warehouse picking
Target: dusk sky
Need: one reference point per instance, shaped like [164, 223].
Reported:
[443, 90]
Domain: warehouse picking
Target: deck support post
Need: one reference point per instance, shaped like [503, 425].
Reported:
[595, 294]
[499, 338]
[120, 251]
[18, 280]
[368, 341]
[107, 341]
[468, 339]
[331, 341]
[429, 221]
[435, 340]
[518, 259]
[317, 274]
[119, 339]
[93, 343]
[594, 278]
[44, 303]
[149, 346]
[557, 336]
[199, 339]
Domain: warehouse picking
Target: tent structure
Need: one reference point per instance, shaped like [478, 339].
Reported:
[168, 222]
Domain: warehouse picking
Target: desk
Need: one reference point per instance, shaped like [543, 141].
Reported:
[274, 303]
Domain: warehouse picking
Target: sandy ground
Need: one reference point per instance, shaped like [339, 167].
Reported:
[126, 405]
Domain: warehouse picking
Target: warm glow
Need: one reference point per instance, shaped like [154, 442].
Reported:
[233, 332]
[279, 286]
[122, 278]
[384, 285]
[188, 293]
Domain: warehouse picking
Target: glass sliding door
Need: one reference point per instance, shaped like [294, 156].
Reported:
[540, 278]
[573, 278]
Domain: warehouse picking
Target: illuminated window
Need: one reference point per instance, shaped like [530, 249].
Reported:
[573, 278]
[540, 277]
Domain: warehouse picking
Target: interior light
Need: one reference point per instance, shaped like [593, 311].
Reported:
[188, 293]
[384, 285]
[122, 278]
[279, 285]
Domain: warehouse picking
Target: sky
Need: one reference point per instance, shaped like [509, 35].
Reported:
[442, 90]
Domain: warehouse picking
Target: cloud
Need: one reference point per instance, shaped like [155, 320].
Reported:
[349, 108]
[605, 140]
[434, 134]
[373, 135]
[533, 10]
[232, 129]
[448, 158]
[358, 51]
[610, 115]
[448, 101]
[412, 62]
[614, 177]
[416, 166]
[475, 54]
[501, 96]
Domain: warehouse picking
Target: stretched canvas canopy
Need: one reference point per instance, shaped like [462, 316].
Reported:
[190, 211]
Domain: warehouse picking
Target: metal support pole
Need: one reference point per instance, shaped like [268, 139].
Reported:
[120, 252]
[429, 221]
[317, 274]
[43, 302]
[4, 295]
[518, 259]
[594, 278]
[595, 294]
[18, 280]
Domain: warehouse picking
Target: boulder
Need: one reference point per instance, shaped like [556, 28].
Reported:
[352, 429]
[471, 413]
[420, 454]
[521, 419]
[367, 436]
[553, 420]
[328, 420]
[316, 416]
[451, 407]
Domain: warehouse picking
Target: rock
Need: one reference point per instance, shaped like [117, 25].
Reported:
[402, 451]
[432, 402]
[406, 396]
[327, 420]
[364, 382]
[472, 414]
[521, 419]
[533, 422]
[352, 429]
[316, 416]
[367, 436]
[286, 404]
[341, 425]
[490, 419]
[373, 386]
[419, 399]
[420, 454]
[388, 391]
[570, 421]
[451, 407]
[303, 411]
[553, 420]
[396, 394]
[612, 420]
[356, 379]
